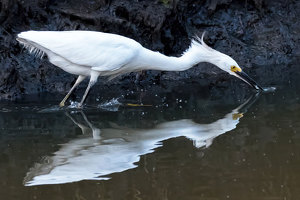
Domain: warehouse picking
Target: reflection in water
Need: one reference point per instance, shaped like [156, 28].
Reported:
[116, 149]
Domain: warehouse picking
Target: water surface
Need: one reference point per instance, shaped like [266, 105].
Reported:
[183, 146]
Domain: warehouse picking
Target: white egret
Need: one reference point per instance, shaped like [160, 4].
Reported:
[93, 54]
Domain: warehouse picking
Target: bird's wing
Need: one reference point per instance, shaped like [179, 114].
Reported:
[100, 51]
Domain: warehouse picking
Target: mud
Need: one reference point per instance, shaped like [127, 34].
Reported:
[262, 36]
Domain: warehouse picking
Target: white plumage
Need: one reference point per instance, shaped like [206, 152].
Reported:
[92, 50]
[92, 54]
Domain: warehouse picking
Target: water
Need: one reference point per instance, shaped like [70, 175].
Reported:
[175, 145]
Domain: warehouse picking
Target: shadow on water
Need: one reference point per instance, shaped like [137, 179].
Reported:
[174, 149]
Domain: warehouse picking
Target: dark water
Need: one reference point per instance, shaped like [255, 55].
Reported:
[183, 146]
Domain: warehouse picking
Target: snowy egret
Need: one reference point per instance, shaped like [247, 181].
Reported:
[93, 54]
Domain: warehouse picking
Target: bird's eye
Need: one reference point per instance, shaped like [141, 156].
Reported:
[235, 69]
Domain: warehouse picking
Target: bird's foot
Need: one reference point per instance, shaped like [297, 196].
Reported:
[236, 116]
[61, 104]
[79, 106]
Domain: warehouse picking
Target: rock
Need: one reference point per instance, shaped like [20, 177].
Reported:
[256, 33]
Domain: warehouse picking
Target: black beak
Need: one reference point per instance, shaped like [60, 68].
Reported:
[249, 80]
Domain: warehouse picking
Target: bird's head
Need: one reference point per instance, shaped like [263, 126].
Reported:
[229, 65]
[221, 60]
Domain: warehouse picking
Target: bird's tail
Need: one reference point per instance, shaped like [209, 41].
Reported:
[24, 39]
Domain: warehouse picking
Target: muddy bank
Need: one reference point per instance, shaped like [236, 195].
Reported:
[262, 36]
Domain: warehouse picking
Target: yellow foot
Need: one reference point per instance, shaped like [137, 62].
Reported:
[237, 116]
[62, 104]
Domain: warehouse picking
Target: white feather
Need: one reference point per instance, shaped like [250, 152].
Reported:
[99, 51]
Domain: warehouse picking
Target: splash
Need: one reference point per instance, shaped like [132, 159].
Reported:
[111, 105]
[73, 104]
[55, 108]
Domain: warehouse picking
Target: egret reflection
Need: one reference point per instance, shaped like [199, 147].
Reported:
[97, 153]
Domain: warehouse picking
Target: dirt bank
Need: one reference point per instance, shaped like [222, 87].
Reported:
[263, 36]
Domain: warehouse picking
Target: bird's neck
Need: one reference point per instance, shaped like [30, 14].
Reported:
[151, 60]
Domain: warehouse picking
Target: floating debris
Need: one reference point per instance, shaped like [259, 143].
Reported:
[269, 89]
[137, 105]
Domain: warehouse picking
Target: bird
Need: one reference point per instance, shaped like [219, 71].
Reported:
[93, 54]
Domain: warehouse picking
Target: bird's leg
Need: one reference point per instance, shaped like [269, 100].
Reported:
[79, 80]
[86, 93]
[93, 80]
[96, 131]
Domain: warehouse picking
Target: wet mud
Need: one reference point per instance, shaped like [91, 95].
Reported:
[262, 36]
